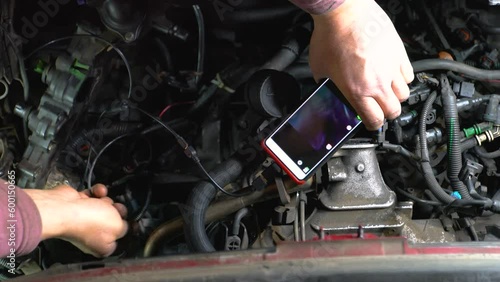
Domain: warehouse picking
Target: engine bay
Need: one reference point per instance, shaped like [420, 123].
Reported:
[166, 103]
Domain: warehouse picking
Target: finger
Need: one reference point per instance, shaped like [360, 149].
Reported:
[110, 249]
[407, 70]
[123, 230]
[371, 113]
[122, 210]
[400, 88]
[390, 104]
[85, 193]
[107, 200]
[99, 191]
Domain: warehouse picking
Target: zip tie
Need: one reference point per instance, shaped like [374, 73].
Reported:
[219, 83]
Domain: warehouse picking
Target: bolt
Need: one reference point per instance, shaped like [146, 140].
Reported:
[129, 36]
[360, 167]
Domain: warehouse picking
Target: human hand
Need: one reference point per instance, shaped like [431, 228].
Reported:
[357, 46]
[91, 223]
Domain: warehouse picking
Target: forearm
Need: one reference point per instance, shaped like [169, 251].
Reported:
[20, 222]
[317, 7]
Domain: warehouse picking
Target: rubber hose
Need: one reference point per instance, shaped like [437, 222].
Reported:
[300, 71]
[259, 15]
[199, 200]
[292, 47]
[491, 112]
[114, 130]
[429, 177]
[471, 72]
[167, 55]
[487, 155]
[490, 29]
[468, 144]
[452, 123]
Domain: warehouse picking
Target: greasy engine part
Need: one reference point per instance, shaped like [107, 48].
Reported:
[219, 210]
[354, 196]
[355, 181]
[207, 79]
[65, 77]
[126, 18]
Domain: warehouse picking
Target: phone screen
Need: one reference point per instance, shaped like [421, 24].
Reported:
[314, 131]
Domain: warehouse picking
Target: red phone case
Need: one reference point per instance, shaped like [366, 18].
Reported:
[278, 161]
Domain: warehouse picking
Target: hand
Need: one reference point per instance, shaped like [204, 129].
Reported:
[93, 224]
[357, 46]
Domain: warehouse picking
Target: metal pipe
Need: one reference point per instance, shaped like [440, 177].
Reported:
[218, 211]
[303, 220]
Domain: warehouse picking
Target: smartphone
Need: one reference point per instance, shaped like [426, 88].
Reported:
[306, 139]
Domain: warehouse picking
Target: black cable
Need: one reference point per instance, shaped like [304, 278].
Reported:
[190, 152]
[91, 171]
[201, 42]
[22, 67]
[416, 199]
[145, 206]
[116, 49]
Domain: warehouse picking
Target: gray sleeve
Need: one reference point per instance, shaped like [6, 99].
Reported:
[20, 222]
[317, 7]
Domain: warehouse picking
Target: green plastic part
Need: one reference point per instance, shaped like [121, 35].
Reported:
[40, 66]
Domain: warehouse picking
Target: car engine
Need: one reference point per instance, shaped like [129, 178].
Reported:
[159, 100]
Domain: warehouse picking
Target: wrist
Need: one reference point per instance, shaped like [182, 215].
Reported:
[52, 213]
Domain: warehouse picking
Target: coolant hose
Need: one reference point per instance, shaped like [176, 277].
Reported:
[199, 200]
[452, 123]
[429, 177]
[487, 155]
[295, 43]
[469, 71]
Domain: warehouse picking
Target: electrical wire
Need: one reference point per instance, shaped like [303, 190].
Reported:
[416, 199]
[145, 206]
[224, 191]
[173, 105]
[22, 67]
[116, 49]
[201, 42]
[190, 152]
[91, 170]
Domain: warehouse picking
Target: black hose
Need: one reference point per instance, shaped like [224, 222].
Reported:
[292, 47]
[468, 144]
[166, 53]
[199, 200]
[427, 171]
[300, 71]
[487, 155]
[111, 131]
[471, 72]
[489, 29]
[258, 15]
[452, 123]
